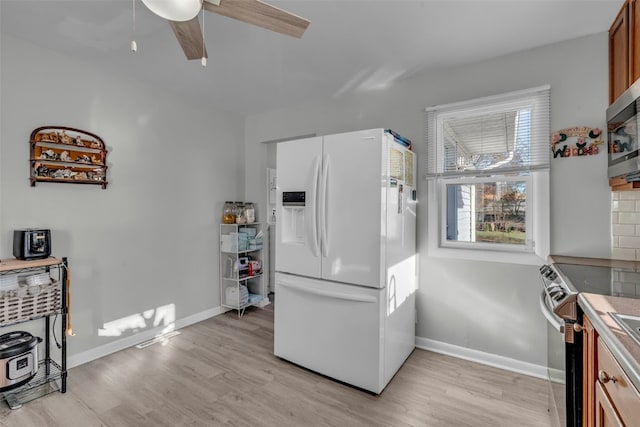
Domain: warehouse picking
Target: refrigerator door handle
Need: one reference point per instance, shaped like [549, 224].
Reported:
[315, 248]
[328, 294]
[324, 208]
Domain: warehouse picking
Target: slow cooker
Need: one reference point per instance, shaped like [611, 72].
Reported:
[18, 359]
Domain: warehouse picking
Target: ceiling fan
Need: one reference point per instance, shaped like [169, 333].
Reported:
[183, 18]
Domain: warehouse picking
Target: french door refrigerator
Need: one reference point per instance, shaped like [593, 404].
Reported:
[345, 256]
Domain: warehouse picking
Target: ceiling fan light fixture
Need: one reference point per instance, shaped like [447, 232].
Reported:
[174, 10]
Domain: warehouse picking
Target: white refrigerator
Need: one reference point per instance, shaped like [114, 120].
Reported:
[345, 256]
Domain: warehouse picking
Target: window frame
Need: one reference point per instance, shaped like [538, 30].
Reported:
[537, 177]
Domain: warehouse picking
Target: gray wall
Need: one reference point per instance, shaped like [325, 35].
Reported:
[484, 306]
[146, 241]
[149, 239]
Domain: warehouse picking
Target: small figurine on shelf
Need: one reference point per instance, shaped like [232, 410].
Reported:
[48, 155]
[98, 174]
[64, 173]
[64, 138]
[64, 156]
[42, 170]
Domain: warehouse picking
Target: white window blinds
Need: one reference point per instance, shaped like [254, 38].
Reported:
[495, 135]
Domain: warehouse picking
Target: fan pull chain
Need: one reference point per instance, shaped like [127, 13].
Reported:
[134, 45]
[203, 61]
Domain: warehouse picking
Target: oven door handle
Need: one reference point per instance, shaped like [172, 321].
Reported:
[555, 321]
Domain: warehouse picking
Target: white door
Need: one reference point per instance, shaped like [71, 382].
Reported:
[297, 234]
[330, 328]
[352, 218]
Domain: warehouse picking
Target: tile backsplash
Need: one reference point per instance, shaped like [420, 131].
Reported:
[625, 225]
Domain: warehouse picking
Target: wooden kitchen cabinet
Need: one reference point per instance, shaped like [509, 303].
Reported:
[617, 401]
[619, 54]
[634, 39]
[624, 49]
[606, 415]
[589, 373]
[609, 397]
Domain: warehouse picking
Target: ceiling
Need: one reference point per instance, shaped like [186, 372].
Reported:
[362, 45]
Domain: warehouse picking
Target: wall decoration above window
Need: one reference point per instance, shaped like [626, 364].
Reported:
[576, 141]
[64, 154]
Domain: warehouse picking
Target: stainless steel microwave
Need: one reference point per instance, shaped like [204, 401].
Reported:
[622, 127]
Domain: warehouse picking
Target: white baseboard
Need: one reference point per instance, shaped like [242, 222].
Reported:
[481, 357]
[121, 344]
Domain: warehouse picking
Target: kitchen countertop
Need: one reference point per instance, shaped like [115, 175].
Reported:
[624, 348]
[601, 262]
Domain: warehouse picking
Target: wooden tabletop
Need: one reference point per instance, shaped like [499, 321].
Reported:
[16, 264]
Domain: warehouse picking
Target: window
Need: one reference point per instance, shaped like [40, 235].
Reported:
[487, 165]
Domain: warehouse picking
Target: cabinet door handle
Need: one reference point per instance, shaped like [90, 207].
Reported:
[605, 378]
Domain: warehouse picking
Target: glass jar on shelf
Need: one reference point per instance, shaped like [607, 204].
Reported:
[250, 213]
[240, 213]
[228, 213]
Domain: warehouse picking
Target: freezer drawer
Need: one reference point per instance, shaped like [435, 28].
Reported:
[331, 328]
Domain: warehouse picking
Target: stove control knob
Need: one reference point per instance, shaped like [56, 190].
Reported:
[557, 294]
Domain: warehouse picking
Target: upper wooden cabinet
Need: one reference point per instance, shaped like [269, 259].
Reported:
[619, 54]
[624, 49]
[634, 39]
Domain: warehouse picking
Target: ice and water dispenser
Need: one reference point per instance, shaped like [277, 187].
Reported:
[292, 221]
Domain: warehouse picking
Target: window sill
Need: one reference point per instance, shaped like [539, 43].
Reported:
[525, 258]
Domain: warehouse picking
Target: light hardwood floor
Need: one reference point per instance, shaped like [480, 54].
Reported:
[222, 372]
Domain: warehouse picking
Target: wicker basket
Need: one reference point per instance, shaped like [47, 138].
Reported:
[18, 309]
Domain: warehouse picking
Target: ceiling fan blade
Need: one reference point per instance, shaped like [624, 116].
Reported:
[260, 14]
[189, 35]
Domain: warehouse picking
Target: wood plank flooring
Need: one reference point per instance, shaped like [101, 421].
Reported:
[222, 372]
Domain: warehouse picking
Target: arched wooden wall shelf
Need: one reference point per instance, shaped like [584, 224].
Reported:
[64, 154]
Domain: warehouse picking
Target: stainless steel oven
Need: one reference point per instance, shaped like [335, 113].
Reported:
[558, 303]
[562, 282]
